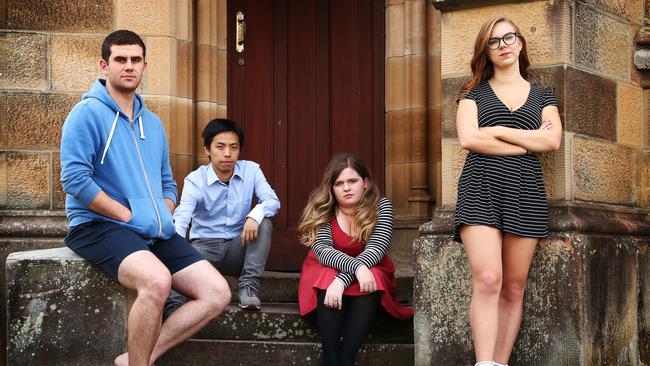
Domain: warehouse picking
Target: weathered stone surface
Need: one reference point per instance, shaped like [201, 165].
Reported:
[161, 66]
[581, 297]
[59, 308]
[182, 128]
[551, 77]
[590, 106]
[235, 353]
[33, 120]
[282, 323]
[643, 179]
[630, 115]
[222, 22]
[206, 64]
[453, 160]
[450, 92]
[396, 92]
[554, 172]
[75, 62]
[642, 58]
[398, 136]
[147, 18]
[58, 196]
[602, 43]
[183, 19]
[398, 186]
[646, 94]
[218, 76]
[165, 108]
[23, 60]
[60, 15]
[642, 36]
[395, 37]
[25, 180]
[602, 172]
[628, 9]
[644, 303]
[185, 76]
[33, 224]
[7, 246]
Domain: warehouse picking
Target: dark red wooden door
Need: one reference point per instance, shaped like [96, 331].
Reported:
[309, 84]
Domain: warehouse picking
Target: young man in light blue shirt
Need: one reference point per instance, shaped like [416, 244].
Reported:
[216, 200]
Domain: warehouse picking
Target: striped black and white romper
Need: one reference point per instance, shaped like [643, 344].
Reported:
[505, 192]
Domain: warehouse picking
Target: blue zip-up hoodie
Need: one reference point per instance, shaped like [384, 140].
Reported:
[102, 150]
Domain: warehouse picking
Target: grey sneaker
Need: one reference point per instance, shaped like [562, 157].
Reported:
[248, 299]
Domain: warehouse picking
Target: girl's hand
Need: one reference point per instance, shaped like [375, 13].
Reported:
[334, 295]
[366, 279]
[546, 125]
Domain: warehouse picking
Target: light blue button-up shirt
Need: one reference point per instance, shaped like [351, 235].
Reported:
[219, 210]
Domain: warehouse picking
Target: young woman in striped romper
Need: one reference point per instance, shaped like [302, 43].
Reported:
[504, 121]
[347, 274]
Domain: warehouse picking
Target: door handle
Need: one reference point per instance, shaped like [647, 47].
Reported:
[240, 33]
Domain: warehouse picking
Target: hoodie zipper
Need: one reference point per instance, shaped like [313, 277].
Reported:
[146, 179]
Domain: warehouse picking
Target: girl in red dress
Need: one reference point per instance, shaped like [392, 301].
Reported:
[347, 274]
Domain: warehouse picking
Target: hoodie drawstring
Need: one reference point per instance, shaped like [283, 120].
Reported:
[110, 135]
[141, 129]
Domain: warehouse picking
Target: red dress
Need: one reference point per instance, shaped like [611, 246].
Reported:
[315, 276]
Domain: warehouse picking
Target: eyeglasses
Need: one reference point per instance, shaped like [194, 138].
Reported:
[508, 39]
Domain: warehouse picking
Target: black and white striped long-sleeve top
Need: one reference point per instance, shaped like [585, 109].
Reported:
[374, 250]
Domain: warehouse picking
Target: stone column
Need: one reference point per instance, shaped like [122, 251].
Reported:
[587, 280]
[211, 95]
[407, 122]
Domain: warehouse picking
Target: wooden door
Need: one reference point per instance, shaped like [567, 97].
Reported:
[308, 84]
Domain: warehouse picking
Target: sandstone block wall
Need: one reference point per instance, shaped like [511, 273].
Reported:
[50, 52]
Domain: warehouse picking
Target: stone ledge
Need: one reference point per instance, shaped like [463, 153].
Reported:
[59, 307]
[33, 223]
[581, 217]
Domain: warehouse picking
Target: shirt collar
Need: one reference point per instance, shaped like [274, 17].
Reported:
[212, 177]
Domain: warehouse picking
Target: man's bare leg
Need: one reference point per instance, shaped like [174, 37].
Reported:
[149, 278]
[209, 294]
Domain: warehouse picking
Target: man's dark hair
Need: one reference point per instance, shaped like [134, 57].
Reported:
[219, 125]
[121, 37]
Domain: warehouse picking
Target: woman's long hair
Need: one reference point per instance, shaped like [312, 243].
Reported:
[482, 67]
[321, 206]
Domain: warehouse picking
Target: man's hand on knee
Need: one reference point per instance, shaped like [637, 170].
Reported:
[249, 233]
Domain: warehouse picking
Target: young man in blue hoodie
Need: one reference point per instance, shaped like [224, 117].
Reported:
[120, 198]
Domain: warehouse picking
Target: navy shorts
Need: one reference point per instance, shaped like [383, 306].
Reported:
[106, 244]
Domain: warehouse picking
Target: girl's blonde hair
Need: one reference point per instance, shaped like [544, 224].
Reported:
[321, 206]
[482, 67]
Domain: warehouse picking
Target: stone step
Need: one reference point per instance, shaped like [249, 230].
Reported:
[247, 353]
[281, 322]
[283, 287]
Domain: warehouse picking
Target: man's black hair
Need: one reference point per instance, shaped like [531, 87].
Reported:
[121, 37]
[219, 125]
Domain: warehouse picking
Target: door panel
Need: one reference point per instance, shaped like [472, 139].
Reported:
[309, 84]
